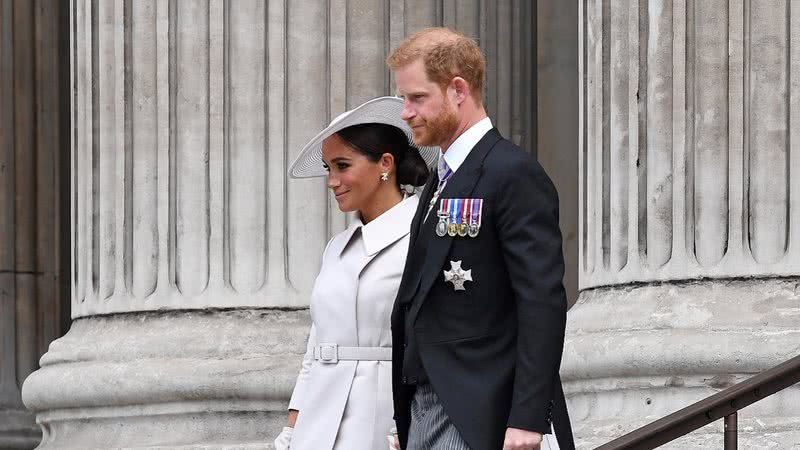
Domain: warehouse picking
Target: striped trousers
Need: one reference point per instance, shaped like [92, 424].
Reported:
[431, 428]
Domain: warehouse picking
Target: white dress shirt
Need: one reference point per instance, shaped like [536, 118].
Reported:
[456, 154]
[460, 148]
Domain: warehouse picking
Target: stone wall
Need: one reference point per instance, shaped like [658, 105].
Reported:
[689, 214]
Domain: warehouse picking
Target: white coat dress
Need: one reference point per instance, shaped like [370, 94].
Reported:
[348, 405]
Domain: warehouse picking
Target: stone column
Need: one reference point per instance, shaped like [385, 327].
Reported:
[34, 201]
[193, 254]
[689, 220]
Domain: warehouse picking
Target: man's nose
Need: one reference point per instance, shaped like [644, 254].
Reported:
[407, 112]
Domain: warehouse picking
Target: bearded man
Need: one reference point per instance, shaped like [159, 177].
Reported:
[478, 322]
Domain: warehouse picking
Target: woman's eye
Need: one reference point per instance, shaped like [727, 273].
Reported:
[342, 166]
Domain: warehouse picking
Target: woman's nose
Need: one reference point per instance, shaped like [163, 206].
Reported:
[332, 181]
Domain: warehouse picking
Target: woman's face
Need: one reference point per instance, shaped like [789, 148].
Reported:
[353, 178]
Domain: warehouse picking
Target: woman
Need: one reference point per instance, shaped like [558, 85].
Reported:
[342, 398]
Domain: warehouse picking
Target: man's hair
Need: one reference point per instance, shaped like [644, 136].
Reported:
[445, 54]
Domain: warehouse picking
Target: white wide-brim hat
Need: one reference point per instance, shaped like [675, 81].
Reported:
[385, 110]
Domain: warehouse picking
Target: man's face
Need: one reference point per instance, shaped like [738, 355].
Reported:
[427, 109]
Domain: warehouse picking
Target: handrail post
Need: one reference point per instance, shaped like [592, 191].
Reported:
[731, 428]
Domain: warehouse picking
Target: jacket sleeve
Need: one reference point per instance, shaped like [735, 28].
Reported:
[527, 225]
[298, 395]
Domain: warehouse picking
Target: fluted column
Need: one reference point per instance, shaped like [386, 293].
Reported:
[690, 114]
[193, 253]
[34, 202]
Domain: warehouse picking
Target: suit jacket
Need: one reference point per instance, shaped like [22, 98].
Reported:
[349, 404]
[491, 352]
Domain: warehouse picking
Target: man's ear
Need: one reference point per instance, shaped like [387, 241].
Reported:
[460, 88]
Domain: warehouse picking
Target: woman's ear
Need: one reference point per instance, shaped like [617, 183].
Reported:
[387, 162]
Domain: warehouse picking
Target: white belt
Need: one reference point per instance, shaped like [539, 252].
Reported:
[333, 353]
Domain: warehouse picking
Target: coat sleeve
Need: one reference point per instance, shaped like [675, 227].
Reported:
[527, 224]
[298, 395]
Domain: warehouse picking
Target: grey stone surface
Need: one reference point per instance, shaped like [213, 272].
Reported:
[34, 198]
[557, 119]
[218, 378]
[637, 353]
[685, 286]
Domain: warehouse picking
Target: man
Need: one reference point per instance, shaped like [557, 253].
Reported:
[478, 323]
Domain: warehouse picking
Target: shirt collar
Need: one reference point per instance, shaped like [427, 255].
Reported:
[460, 148]
[387, 228]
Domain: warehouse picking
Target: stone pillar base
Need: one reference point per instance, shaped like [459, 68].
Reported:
[634, 354]
[16, 431]
[179, 379]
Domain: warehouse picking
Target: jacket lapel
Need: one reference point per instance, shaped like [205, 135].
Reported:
[422, 208]
[460, 185]
[410, 269]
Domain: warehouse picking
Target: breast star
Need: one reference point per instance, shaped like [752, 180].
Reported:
[457, 275]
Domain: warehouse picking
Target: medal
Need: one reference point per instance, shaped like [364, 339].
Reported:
[475, 217]
[441, 226]
[457, 276]
[452, 227]
[462, 226]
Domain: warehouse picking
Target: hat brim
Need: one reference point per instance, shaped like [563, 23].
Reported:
[386, 110]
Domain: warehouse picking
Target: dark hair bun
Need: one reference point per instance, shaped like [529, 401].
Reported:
[375, 139]
[411, 169]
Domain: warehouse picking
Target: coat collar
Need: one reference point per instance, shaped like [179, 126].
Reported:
[385, 229]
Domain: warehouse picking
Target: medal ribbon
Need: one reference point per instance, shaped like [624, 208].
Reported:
[476, 213]
[442, 207]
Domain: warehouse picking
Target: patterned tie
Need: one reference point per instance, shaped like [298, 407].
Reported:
[444, 173]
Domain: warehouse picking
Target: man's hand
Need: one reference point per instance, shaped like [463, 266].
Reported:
[517, 439]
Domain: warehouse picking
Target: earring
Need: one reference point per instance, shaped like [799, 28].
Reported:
[385, 176]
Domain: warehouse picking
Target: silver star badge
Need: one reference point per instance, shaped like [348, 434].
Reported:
[457, 275]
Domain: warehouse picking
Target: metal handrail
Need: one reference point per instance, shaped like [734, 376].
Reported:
[723, 404]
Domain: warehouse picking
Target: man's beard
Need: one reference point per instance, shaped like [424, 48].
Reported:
[439, 130]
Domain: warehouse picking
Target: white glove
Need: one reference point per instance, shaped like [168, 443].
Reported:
[284, 439]
[394, 442]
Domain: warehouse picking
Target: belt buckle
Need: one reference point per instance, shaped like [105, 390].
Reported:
[328, 353]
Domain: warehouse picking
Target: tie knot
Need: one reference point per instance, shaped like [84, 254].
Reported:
[443, 170]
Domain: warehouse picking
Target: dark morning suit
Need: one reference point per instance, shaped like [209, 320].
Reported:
[492, 352]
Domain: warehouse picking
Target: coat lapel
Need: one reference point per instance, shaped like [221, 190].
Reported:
[460, 185]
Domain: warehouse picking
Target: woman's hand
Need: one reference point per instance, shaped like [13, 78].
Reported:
[394, 441]
[284, 439]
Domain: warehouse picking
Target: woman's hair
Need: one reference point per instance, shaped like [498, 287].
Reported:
[374, 139]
